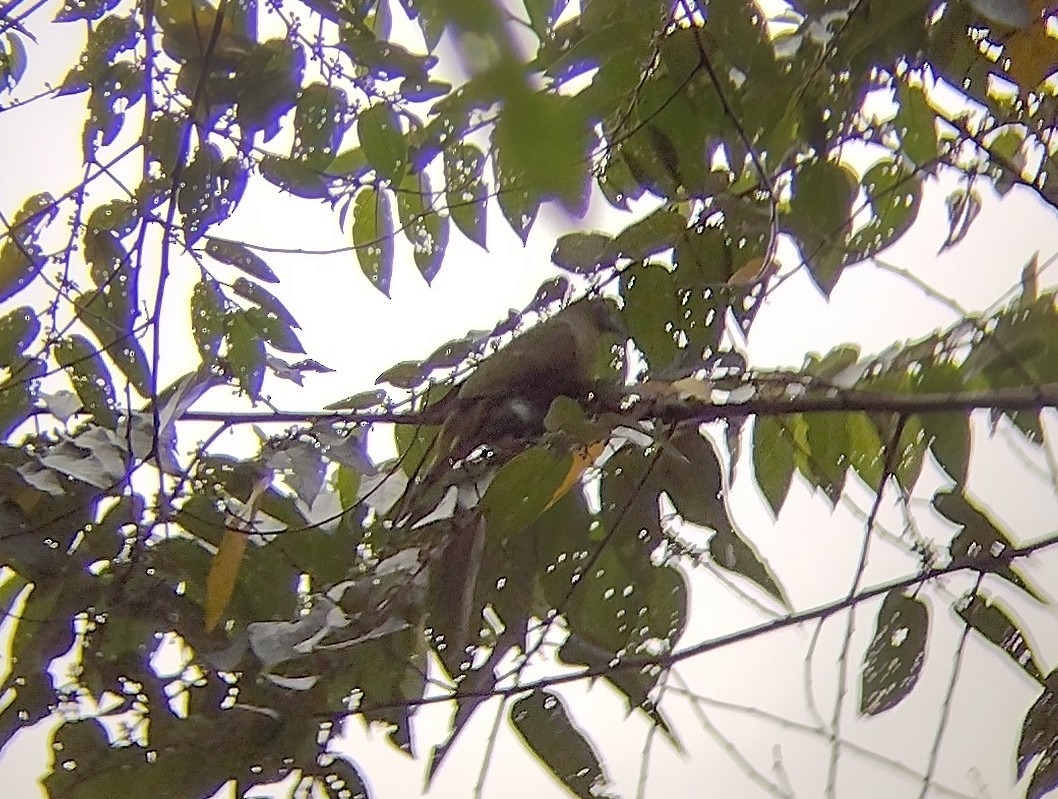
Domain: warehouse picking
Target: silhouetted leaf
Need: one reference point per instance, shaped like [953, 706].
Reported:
[241, 257]
[894, 659]
[731, 551]
[992, 620]
[542, 721]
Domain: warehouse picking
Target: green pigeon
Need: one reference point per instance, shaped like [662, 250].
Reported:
[509, 393]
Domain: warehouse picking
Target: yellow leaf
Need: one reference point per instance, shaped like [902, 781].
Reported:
[583, 457]
[220, 583]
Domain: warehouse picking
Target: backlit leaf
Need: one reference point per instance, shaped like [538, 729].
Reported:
[894, 659]
[543, 723]
[373, 236]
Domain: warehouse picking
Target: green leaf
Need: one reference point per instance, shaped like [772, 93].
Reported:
[981, 544]
[90, 378]
[820, 215]
[18, 392]
[916, 124]
[688, 470]
[245, 353]
[269, 302]
[583, 253]
[541, 150]
[121, 85]
[373, 236]
[651, 308]
[111, 36]
[656, 233]
[273, 330]
[406, 374]
[825, 464]
[241, 257]
[359, 402]
[465, 192]
[775, 456]
[211, 190]
[21, 257]
[117, 216]
[895, 195]
[350, 164]
[319, 122]
[110, 314]
[208, 318]
[13, 61]
[865, 453]
[894, 659]
[267, 84]
[1038, 738]
[425, 229]
[383, 141]
[947, 434]
[522, 490]
[18, 329]
[74, 10]
[300, 179]
[543, 723]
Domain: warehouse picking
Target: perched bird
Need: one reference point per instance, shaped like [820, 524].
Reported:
[509, 393]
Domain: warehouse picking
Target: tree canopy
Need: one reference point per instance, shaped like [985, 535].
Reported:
[312, 580]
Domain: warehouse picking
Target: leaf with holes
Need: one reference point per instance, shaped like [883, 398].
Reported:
[916, 124]
[543, 723]
[319, 122]
[18, 329]
[425, 229]
[90, 378]
[465, 191]
[1039, 738]
[245, 353]
[300, 179]
[265, 299]
[21, 257]
[241, 257]
[992, 620]
[652, 305]
[211, 189]
[373, 236]
[896, 654]
[583, 253]
[208, 312]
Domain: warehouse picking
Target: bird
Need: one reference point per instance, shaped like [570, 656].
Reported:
[507, 395]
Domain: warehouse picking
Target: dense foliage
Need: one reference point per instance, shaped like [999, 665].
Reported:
[721, 130]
